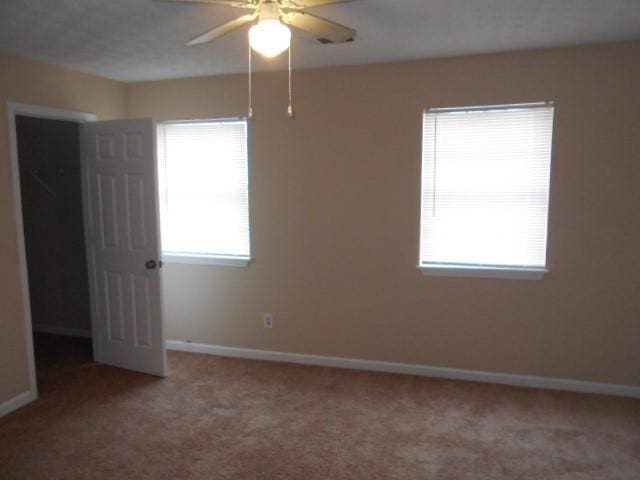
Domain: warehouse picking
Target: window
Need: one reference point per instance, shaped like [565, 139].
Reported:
[485, 190]
[204, 191]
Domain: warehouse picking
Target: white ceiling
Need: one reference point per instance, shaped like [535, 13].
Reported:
[134, 40]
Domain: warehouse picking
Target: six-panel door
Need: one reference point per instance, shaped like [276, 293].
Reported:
[124, 244]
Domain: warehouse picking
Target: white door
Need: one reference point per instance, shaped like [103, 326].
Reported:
[123, 244]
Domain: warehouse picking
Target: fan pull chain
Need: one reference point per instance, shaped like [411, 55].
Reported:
[290, 109]
[250, 88]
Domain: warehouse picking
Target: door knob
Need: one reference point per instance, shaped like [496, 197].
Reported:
[151, 264]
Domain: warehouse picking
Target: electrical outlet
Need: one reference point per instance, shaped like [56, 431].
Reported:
[268, 320]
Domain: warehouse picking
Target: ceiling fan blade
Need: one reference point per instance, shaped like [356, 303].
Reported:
[314, 3]
[223, 29]
[325, 30]
[226, 3]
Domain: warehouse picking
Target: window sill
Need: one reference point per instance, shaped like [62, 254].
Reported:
[514, 273]
[224, 261]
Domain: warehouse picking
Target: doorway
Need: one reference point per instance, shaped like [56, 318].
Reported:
[15, 110]
[100, 197]
[49, 161]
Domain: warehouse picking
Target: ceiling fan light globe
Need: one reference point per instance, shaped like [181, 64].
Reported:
[269, 37]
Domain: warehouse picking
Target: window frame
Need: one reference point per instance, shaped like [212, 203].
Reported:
[513, 272]
[203, 258]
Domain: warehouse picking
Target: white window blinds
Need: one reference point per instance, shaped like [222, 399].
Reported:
[485, 186]
[204, 188]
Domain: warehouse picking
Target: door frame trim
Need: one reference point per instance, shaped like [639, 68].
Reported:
[13, 109]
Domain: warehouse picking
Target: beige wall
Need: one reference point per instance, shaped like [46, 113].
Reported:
[335, 199]
[35, 83]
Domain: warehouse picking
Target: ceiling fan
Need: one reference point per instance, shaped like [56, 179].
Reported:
[270, 35]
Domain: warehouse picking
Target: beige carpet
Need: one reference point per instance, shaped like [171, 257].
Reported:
[216, 418]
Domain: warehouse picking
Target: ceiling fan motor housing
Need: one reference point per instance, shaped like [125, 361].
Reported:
[269, 10]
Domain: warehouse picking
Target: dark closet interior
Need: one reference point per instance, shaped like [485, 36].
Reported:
[50, 183]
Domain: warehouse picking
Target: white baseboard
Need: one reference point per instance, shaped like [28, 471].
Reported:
[411, 369]
[17, 402]
[55, 330]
